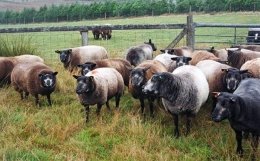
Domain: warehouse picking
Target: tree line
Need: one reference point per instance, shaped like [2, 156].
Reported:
[129, 8]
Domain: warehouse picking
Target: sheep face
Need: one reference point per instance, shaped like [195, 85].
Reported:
[87, 67]
[233, 77]
[48, 80]
[84, 84]
[225, 103]
[181, 60]
[64, 55]
[137, 77]
[151, 44]
[153, 85]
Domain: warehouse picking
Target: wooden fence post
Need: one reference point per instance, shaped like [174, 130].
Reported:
[84, 37]
[190, 39]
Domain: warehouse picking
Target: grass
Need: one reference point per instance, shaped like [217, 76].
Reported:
[16, 45]
[60, 133]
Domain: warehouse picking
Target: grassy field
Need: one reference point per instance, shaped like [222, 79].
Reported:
[60, 133]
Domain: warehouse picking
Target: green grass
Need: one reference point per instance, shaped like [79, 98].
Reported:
[60, 133]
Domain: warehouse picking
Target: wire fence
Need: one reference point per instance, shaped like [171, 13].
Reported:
[48, 42]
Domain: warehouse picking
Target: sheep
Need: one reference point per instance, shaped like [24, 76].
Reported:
[200, 55]
[121, 65]
[237, 58]
[214, 72]
[8, 63]
[79, 55]
[253, 67]
[242, 109]
[165, 59]
[106, 32]
[249, 47]
[183, 91]
[36, 78]
[220, 53]
[98, 87]
[96, 31]
[181, 60]
[139, 76]
[137, 54]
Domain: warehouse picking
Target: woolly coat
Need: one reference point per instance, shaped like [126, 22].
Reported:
[214, 74]
[253, 67]
[200, 55]
[137, 54]
[108, 83]
[30, 81]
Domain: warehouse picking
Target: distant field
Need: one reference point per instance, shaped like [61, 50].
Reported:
[60, 133]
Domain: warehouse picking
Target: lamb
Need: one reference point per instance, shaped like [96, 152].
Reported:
[79, 55]
[165, 59]
[96, 31]
[238, 57]
[8, 63]
[253, 67]
[139, 76]
[183, 91]
[202, 55]
[179, 51]
[106, 32]
[137, 54]
[242, 109]
[214, 74]
[181, 60]
[98, 87]
[121, 65]
[37, 78]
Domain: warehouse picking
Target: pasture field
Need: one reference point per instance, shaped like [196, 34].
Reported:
[60, 133]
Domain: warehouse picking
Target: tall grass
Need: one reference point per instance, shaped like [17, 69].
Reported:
[16, 45]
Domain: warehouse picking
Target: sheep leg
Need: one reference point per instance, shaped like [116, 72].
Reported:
[117, 100]
[239, 142]
[98, 109]
[254, 143]
[108, 107]
[151, 100]
[37, 100]
[86, 107]
[142, 105]
[49, 99]
[26, 95]
[21, 94]
[188, 122]
[176, 123]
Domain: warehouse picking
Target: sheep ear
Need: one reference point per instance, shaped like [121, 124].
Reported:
[75, 76]
[150, 41]
[40, 75]
[55, 73]
[80, 65]
[57, 51]
[93, 65]
[189, 58]
[174, 58]
[163, 51]
[70, 51]
[243, 71]
[212, 48]
[224, 70]
[215, 94]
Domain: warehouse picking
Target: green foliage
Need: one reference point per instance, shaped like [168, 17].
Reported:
[16, 46]
[76, 12]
